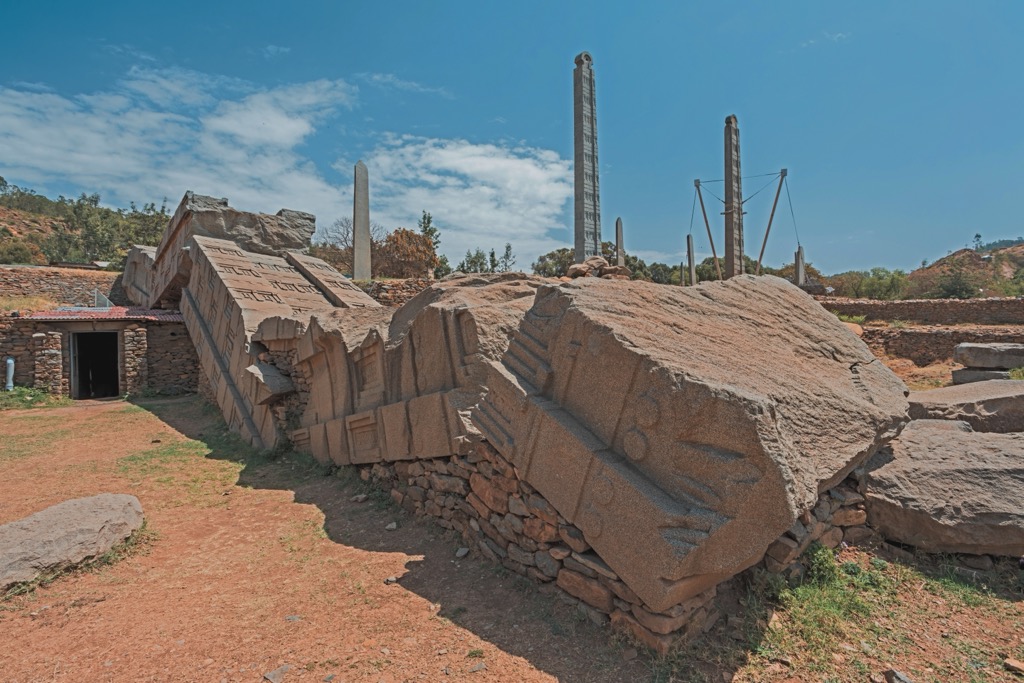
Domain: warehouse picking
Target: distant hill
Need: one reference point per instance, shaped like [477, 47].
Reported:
[970, 273]
[35, 229]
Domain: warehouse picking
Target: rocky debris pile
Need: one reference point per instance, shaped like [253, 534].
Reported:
[394, 293]
[942, 487]
[989, 406]
[986, 361]
[65, 535]
[596, 266]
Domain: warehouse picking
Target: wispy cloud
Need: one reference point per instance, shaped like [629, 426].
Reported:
[480, 195]
[396, 83]
[129, 51]
[274, 51]
[499, 119]
[160, 132]
[826, 37]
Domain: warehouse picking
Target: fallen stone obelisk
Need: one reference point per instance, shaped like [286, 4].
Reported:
[989, 406]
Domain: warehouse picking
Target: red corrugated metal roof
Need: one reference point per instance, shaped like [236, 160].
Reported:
[112, 313]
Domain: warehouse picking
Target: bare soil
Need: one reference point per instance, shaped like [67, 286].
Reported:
[255, 566]
[249, 564]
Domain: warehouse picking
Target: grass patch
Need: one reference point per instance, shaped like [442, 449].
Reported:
[898, 324]
[136, 544]
[25, 303]
[21, 398]
[1017, 373]
[858, 319]
[17, 446]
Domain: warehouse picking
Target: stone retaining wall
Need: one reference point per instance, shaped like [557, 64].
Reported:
[67, 286]
[932, 311]
[503, 519]
[926, 346]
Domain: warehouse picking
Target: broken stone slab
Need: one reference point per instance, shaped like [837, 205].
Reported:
[272, 384]
[999, 356]
[65, 535]
[942, 487]
[991, 406]
[968, 375]
[737, 403]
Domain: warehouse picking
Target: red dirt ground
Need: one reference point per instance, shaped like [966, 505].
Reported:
[257, 566]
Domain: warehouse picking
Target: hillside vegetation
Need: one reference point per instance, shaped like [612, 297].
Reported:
[37, 230]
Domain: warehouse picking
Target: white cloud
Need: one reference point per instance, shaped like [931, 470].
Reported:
[839, 37]
[393, 81]
[479, 194]
[272, 51]
[158, 133]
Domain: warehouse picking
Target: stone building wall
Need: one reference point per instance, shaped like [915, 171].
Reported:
[932, 311]
[68, 286]
[173, 366]
[49, 375]
[133, 366]
[926, 346]
[16, 341]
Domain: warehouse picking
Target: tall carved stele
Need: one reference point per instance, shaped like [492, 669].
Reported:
[587, 188]
[733, 200]
[361, 224]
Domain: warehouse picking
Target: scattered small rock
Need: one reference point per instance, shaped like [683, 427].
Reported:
[1014, 665]
[629, 654]
[390, 580]
[329, 677]
[461, 552]
[155, 441]
[293, 617]
[391, 527]
[360, 498]
[442, 652]
[894, 676]
[479, 666]
[277, 675]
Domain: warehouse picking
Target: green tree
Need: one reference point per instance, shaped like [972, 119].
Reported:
[956, 283]
[507, 259]
[554, 263]
[475, 262]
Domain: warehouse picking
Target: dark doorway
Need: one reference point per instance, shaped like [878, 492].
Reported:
[95, 365]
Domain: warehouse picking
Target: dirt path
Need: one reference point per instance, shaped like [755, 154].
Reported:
[258, 565]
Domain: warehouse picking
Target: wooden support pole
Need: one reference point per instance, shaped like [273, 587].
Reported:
[690, 261]
[771, 217]
[714, 254]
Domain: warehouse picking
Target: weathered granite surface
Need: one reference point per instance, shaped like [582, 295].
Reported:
[996, 356]
[989, 406]
[944, 488]
[65, 535]
[683, 429]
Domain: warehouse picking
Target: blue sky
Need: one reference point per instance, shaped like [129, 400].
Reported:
[900, 123]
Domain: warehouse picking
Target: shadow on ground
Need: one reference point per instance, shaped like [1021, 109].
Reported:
[508, 610]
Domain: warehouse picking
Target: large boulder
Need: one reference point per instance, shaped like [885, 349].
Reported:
[991, 406]
[65, 535]
[999, 356]
[942, 487]
[684, 429]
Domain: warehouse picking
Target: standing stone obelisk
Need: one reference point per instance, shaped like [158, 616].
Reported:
[733, 200]
[361, 225]
[587, 188]
[799, 268]
[620, 250]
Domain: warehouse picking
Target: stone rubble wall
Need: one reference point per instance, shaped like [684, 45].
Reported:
[394, 293]
[16, 341]
[1001, 311]
[67, 286]
[49, 364]
[926, 346]
[505, 520]
[173, 366]
[133, 368]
